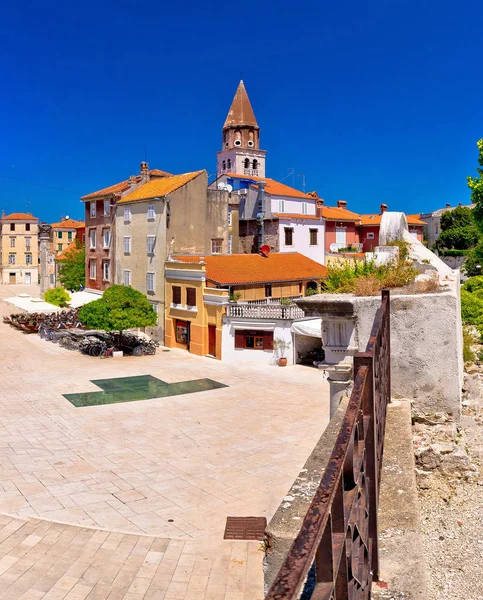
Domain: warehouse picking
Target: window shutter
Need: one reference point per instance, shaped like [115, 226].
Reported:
[191, 296]
[176, 294]
[268, 340]
[239, 339]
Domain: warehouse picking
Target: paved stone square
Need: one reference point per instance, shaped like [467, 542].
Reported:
[142, 487]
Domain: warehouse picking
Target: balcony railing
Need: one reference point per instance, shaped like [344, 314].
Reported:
[338, 537]
[275, 301]
[264, 311]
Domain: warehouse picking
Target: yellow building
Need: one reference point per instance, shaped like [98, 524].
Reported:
[64, 233]
[194, 311]
[20, 249]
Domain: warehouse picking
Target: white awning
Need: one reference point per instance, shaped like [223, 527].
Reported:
[310, 327]
[32, 305]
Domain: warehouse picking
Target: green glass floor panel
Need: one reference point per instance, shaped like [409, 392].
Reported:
[142, 387]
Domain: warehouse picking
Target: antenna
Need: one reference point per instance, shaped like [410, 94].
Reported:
[145, 159]
[28, 205]
[302, 175]
[291, 172]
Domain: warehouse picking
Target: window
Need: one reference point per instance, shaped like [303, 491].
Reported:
[230, 220]
[181, 331]
[106, 237]
[92, 269]
[268, 290]
[254, 340]
[223, 165]
[176, 294]
[150, 282]
[127, 215]
[304, 208]
[247, 163]
[127, 277]
[127, 245]
[92, 239]
[11, 259]
[28, 259]
[216, 246]
[151, 243]
[288, 236]
[93, 210]
[255, 164]
[370, 236]
[230, 243]
[59, 235]
[107, 208]
[105, 270]
[12, 242]
[27, 243]
[281, 206]
[229, 163]
[313, 237]
[59, 247]
[191, 296]
[151, 213]
[155, 306]
[69, 236]
[27, 226]
[12, 226]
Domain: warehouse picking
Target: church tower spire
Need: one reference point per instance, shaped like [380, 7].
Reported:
[241, 152]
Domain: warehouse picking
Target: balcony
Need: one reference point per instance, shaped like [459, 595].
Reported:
[251, 172]
[264, 311]
[275, 301]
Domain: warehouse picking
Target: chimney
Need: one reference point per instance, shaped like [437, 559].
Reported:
[448, 205]
[383, 208]
[341, 204]
[144, 172]
[460, 204]
[319, 205]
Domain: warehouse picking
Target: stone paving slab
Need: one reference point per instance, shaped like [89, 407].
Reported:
[173, 468]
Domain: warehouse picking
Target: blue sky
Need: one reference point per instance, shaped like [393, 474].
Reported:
[375, 101]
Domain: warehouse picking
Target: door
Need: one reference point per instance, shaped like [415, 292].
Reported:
[12, 278]
[28, 279]
[340, 237]
[212, 340]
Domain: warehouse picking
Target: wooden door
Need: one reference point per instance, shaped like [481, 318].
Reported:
[12, 278]
[212, 340]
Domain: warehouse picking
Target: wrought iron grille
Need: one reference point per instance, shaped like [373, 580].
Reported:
[339, 532]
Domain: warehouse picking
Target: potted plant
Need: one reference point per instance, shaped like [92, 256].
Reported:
[281, 346]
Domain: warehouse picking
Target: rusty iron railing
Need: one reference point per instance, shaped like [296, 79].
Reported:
[338, 536]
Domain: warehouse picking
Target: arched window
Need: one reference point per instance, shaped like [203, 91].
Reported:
[224, 165]
[229, 163]
[255, 164]
[238, 137]
[247, 163]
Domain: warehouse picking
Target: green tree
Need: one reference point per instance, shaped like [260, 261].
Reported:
[458, 230]
[476, 186]
[57, 296]
[72, 268]
[121, 307]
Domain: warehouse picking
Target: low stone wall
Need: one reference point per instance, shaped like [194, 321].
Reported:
[286, 522]
[426, 342]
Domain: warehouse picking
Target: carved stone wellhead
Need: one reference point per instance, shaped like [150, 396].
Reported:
[338, 537]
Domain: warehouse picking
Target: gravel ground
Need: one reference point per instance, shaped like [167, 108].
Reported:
[452, 515]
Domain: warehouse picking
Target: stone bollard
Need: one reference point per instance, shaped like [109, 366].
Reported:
[340, 379]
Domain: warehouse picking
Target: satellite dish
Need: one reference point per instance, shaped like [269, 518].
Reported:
[228, 187]
[265, 249]
[66, 217]
[334, 247]
[222, 186]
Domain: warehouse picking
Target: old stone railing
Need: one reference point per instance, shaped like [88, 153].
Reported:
[264, 311]
[337, 543]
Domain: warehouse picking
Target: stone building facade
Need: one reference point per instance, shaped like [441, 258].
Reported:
[19, 249]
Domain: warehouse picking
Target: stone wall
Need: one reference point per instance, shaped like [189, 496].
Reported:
[426, 342]
[249, 236]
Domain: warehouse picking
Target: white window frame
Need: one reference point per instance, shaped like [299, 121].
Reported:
[127, 215]
[127, 244]
[215, 241]
[106, 270]
[92, 209]
[304, 208]
[107, 208]
[12, 242]
[28, 245]
[151, 212]
[155, 306]
[281, 206]
[92, 268]
[313, 229]
[230, 243]
[230, 219]
[370, 235]
[106, 241]
[150, 279]
[127, 276]
[28, 258]
[92, 239]
[11, 259]
[151, 245]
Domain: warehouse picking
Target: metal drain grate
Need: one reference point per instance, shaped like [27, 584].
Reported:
[245, 528]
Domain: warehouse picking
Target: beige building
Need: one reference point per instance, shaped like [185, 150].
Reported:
[20, 249]
[62, 237]
[176, 214]
[433, 222]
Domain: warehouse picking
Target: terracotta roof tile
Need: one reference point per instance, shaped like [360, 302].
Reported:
[414, 220]
[160, 187]
[274, 188]
[68, 224]
[375, 220]
[234, 269]
[159, 173]
[296, 216]
[20, 217]
[117, 188]
[333, 213]
[72, 246]
[241, 111]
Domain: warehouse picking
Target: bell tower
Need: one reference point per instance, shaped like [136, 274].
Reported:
[241, 152]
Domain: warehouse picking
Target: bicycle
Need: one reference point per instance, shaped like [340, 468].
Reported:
[108, 352]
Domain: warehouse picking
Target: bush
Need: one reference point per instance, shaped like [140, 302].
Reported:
[285, 301]
[468, 354]
[430, 284]
[57, 296]
[454, 252]
[471, 307]
[474, 284]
